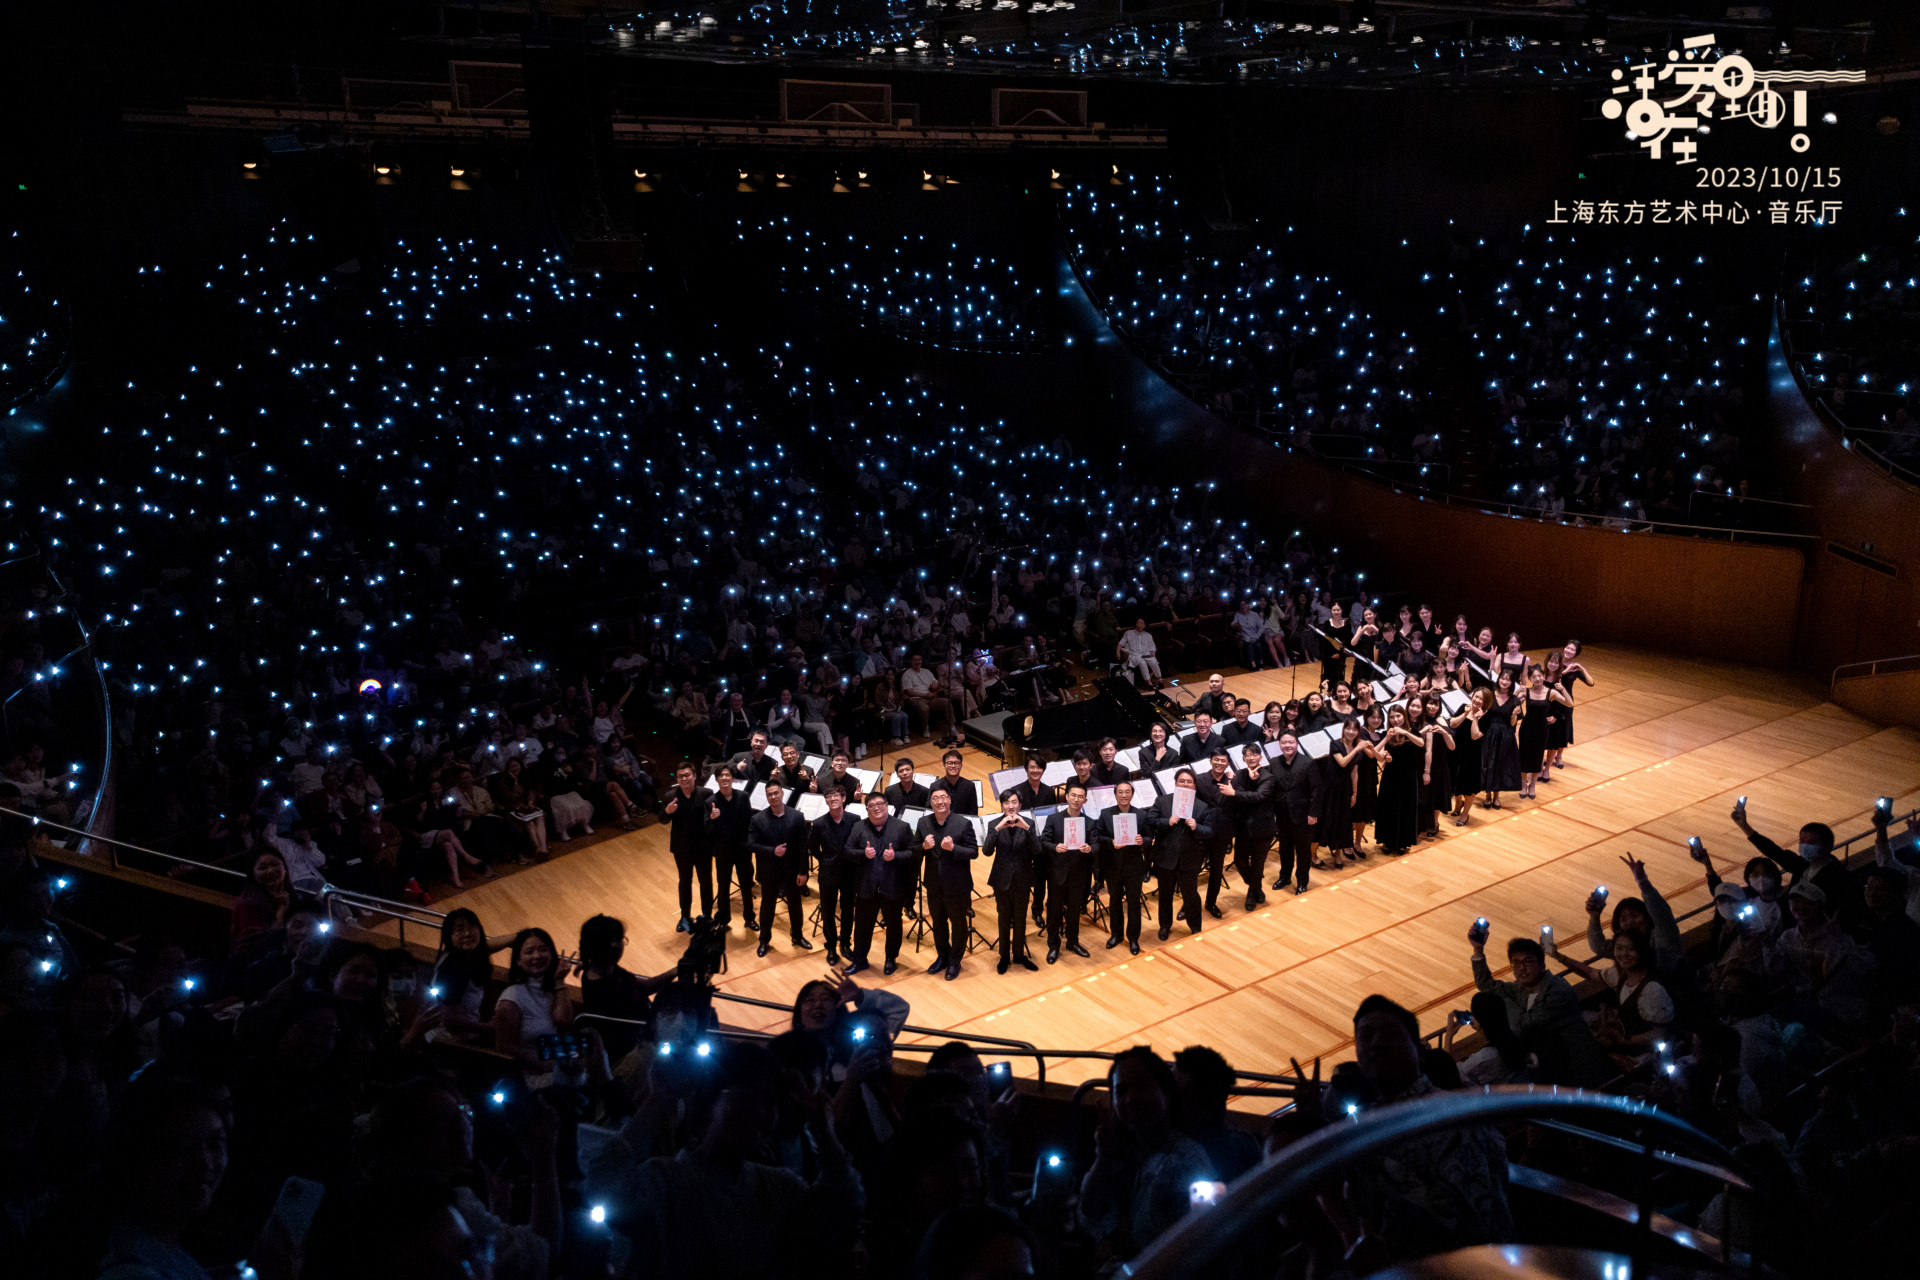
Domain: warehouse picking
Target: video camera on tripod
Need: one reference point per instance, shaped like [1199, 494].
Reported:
[685, 1009]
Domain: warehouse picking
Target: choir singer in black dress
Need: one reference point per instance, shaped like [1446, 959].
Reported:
[948, 847]
[1016, 851]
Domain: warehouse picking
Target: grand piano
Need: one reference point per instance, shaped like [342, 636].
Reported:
[1118, 710]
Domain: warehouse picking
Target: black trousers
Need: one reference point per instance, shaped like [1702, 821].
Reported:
[1010, 905]
[730, 862]
[1188, 883]
[1250, 860]
[947, 908]
[1065, 903]
[1039, 898]
[688, 864]
[1122, 886]
[1216, 871]
[836, 915]
[1296, 851]
[772, 892]
[865, 911]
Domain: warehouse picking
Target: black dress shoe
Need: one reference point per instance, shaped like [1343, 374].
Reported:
[1165, 933]
[953, 971]
[1079, 950]
[1213, 910]
[1053, 955]
[939, 963]
[1026, 962]
[1280, 883]
[682, 926]
[760, 950]
[753, 926]
[1114, 942]
[858, 966]
[889, 967]
[1134, 947]
[831, 957]
[805, 944]
[1299, 889]
[1252, 901]
[1002, 966]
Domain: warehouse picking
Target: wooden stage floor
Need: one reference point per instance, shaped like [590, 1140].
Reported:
[1665, 744]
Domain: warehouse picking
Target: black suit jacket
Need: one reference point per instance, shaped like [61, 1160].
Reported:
[729, 830]
[1175, 847]
[1214, 704]
[747, 772]
[1107, 777]
[1237, 735]
[1220, 830]
[1040, 797]
[883, 879]
[1129, 862]
[1296, 789]
[1066, 864]
[1253, 804]
[838, 865]
[1016, 853]
[953, 866]
[767, 833]
[1192, 750]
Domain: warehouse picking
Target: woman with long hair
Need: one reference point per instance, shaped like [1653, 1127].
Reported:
[1466, 754]
[1341, 770]
[1499, 749]
[536, 1003]
[1537, 704]
[1560, 732]
[514, 795]
[1512, 662]
[265, 903]
[1405, 757]
[1437, 782]
[433, 820]
[461, 973]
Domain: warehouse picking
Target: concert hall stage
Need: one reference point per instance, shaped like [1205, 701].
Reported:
[1664, 745]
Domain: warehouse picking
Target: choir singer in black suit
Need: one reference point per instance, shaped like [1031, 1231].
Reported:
[1034, 796]
[686, 813]
[948, 847]
[1215, 785]
[839, 869]
[778, 837]
[1252, 803]
[1071, 874]
[1180, 847]
[1297, 805]
[1016, 852]
[891, 855]
[1126, 868]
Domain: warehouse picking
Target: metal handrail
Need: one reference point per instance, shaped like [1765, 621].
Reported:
[402, 912]
[1838, 848]
[1872, 666]
[1196, 1245]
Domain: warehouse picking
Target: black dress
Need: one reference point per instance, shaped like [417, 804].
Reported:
[1533, 731]
[1504, 661]
[1366, 787]
[1397, 820]
[1466, 760]
[1437, 796]
[1499, 752]
[1560, 732]
[1333, 658]
[1335, 830]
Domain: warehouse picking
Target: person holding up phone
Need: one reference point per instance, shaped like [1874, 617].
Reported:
[1811, 859]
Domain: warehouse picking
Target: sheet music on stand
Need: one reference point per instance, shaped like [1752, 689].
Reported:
[1454, 701]
[1001, 779]
[1389, 689]
[979, 827]
[925, 779]
[869, 778]
[1144, 791]
[1479, 670]
[1164, 778]
[1099, 800]
[757, 798]
[1315, 745]
[811, 806]
[817, 763]
[1058, 771]
[912, 816]
[1130, 757]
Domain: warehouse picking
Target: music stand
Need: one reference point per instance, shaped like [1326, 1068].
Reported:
[975, 938]
[917, 931]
